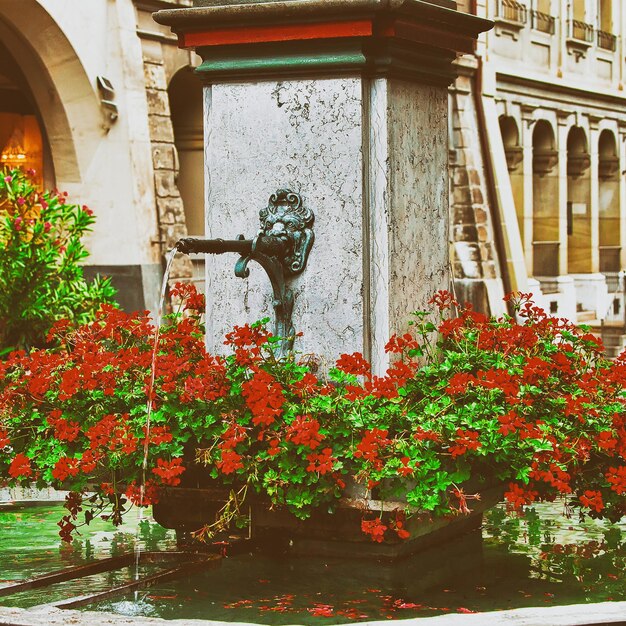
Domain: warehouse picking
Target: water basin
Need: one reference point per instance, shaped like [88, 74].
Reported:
[543, 559]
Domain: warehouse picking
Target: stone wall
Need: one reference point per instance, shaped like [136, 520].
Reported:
[475, 265]
[169, 204]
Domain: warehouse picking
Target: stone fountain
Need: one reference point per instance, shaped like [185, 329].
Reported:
[344, 105]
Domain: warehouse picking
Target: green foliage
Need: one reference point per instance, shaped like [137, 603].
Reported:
[531, 406]
[41, 279]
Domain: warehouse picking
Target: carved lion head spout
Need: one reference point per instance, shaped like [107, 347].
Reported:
[286, 218]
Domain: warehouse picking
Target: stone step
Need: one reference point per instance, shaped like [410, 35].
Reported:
[586, 317]
[613, 337]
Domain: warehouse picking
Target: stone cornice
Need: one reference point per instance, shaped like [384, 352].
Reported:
[221, 12]
[156, 5]
[412, 39]
[559, 92]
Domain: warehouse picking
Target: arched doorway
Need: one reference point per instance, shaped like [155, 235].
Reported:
[186, 108]
[22, 138]
[100, 162]
[185, 95]
[545, 228]
[609, 204]
[579, 253]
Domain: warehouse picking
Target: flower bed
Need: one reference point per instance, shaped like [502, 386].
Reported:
[533, 405]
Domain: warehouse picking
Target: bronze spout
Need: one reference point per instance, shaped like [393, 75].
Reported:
[269, 245]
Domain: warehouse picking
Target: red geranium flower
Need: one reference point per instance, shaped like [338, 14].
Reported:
[20, 466]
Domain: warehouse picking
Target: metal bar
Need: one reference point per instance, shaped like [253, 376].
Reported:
[272, 246]
[97, 567]
[71, 573]
[143, 583]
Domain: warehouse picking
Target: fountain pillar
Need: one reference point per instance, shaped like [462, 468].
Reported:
[346, 103]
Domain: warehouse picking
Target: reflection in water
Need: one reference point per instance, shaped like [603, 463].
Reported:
[539, 560]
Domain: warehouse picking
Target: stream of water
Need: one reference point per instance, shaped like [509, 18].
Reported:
[169, 259]
[540, 560]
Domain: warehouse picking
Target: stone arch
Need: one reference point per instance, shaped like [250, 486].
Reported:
[609, 203]
[186, 107]
[545, 218]
[579, 227]
[65, 97]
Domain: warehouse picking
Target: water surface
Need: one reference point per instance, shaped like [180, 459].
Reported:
[540, 560]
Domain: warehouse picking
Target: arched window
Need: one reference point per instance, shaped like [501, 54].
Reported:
[609, 204]
[579, 252]
[545, 219]
[579, 10]
[605, 15]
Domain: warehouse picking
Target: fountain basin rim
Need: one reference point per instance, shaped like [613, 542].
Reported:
[568, 615]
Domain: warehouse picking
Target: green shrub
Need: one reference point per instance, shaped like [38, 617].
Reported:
[41, 279]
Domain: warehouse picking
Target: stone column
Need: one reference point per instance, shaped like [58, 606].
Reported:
[562, 131]
[344, 102]
[594, 138]
[621, 153]
[528, 172]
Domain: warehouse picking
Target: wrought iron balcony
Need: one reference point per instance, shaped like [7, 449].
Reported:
[581, 31]
[512, 11]
[607, 41]
[542, 22]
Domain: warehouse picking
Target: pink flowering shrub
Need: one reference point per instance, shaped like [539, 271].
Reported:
[41, 279]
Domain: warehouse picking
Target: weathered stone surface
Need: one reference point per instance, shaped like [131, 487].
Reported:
[155, 76]
[171, 233]
[305, 136]
[472, 231]
[161, 129]
[461, 195]
[158, 102]
[165, 184]
[573, 615]
[171, 210]
[419, 217]
[477, 195]
[376, 257]
[464, 232]
[163, 157]
[182, 269]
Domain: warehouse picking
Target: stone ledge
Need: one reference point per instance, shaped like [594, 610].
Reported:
[217, 12]
[574, 615]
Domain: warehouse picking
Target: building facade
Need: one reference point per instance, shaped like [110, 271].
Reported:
[106, 107]
[538, 157]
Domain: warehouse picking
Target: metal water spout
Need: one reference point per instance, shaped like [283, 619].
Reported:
[281, 247]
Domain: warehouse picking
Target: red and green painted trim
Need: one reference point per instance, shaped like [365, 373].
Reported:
[400, 29]
[266, 34]
[416, 40]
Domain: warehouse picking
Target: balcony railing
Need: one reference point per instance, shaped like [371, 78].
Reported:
[607, 41]
[512, 11]
[542, 22]
[581, 31]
